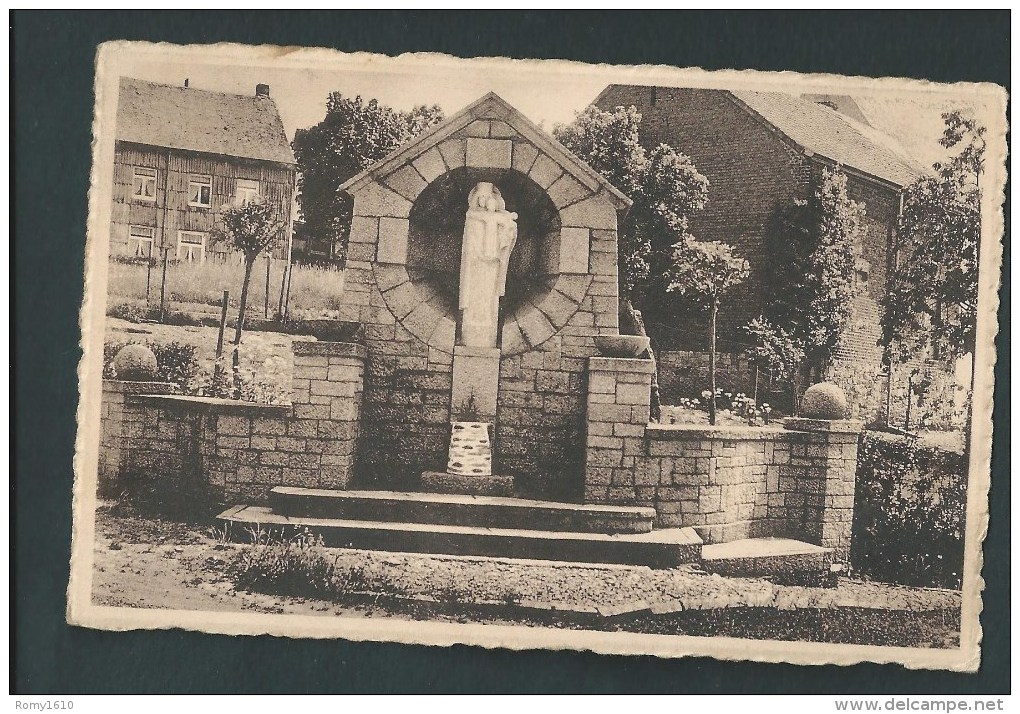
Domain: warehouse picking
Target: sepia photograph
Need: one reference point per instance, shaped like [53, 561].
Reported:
[538, 354]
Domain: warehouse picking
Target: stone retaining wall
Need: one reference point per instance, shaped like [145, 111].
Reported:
[240, 450]
[794, 480]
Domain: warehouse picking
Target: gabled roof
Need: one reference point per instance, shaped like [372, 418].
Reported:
[491, 106]
[199, 120]
[819, 130]
[825, 132]
[842, 103]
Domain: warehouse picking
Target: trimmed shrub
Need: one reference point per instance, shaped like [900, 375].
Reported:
[130, 311]
[909, 513]
[135, 363]
[176, 362]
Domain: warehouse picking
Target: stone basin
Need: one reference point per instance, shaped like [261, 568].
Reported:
[621, 345]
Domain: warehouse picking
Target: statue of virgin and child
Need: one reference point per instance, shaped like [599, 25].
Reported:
[490, 233]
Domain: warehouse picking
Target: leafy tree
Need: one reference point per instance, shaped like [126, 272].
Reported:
[812, 251]
[252, 227]
[666, 189]
[608, 142]
[665, 186]
[774, 349]
[932, 303]
[703, 272]
[353, 135]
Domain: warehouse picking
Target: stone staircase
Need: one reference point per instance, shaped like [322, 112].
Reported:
[458, 524]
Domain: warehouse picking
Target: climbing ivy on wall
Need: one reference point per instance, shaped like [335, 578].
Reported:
[812, 248]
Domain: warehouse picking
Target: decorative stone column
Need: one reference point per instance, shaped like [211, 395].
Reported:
[619, 403]
[829, 449]
[119, 420]
[326, 397]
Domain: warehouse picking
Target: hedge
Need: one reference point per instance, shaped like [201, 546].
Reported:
[909, 514]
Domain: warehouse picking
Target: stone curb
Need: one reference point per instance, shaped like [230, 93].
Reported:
[332, 349]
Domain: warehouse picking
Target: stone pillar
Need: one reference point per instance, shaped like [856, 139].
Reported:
[118, 422]
[475, 383]
[619, 402]
[831, 448]
[322, 434]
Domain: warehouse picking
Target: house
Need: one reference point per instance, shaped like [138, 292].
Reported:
[761, 151]
[181, 155]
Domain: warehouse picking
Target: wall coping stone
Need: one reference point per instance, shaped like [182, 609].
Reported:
[621, 364]
[125, 387]
[666, 432]
[214, 405]
[831, 426]
[333, 349]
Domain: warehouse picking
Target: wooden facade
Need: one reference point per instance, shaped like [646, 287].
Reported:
[169, 213]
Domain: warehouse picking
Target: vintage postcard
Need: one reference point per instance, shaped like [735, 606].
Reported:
[538, 354]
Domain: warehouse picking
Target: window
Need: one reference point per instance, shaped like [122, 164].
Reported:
[247, 189]
[863, 269]
[200, 191]
[191, 246]
[140, 241]
[143, 186]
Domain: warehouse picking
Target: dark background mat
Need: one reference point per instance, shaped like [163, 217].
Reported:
[52, 64]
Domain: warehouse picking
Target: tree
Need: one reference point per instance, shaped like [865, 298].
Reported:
[703, 272]
[811, 249]
[666, 189]
[353, 135]
[932, 302]
[252, 227]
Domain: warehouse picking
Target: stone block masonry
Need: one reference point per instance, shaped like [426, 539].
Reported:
[417, 377]
[241, 450]
[794, 480]
[118, 421]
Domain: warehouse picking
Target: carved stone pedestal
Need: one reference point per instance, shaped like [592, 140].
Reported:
[475, 383]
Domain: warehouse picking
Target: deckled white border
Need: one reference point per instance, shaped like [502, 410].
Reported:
[115, 59]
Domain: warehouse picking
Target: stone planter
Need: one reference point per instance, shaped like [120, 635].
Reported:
[625, 346]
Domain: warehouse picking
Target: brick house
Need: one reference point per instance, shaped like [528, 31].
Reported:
[181, 155]
[761, 151]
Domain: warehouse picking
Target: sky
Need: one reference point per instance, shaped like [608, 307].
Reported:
[546, 92]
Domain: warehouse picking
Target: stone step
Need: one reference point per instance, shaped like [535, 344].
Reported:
[664, 548]
[779, 559]
[459, 510]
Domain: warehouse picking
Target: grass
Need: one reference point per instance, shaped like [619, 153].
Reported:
[152, 562]
[314, 291]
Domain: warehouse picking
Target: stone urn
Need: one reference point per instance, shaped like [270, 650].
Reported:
[627, 346]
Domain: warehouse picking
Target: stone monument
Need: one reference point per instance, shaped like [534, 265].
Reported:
[490, 233]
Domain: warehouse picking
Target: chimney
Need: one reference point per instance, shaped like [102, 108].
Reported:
[261, 90]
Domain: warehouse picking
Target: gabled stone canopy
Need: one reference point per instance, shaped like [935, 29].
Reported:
[487, 136]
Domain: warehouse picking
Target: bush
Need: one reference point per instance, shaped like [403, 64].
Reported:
[909, 513]
[130, 311]
[262, 376]
[298, 566]
[176, 362]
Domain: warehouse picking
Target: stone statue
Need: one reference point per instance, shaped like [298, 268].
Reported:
[490, 233]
